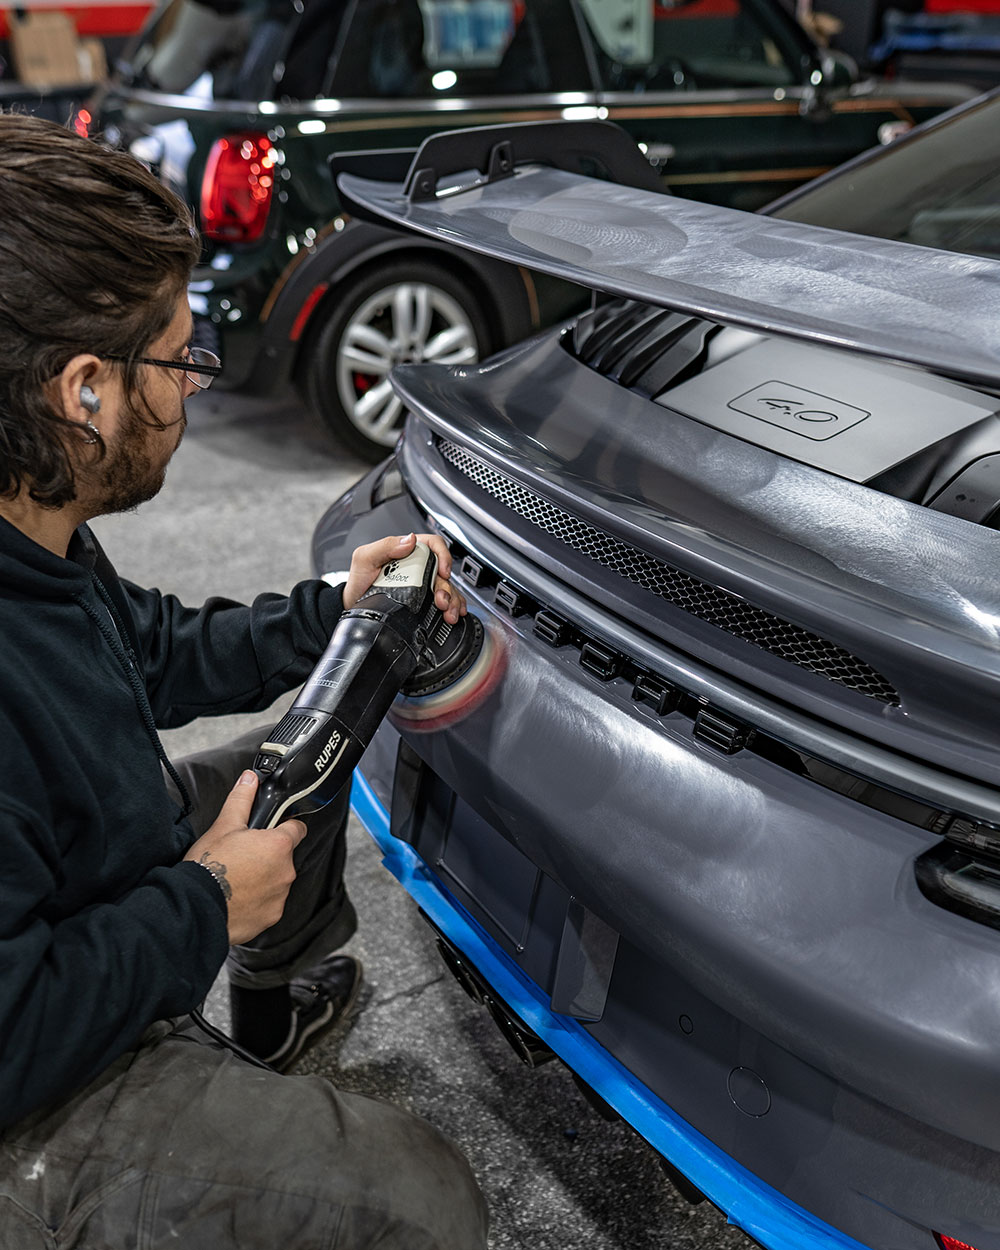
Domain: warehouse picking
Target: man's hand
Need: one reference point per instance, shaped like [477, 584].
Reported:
[367, 562]
[254, 866]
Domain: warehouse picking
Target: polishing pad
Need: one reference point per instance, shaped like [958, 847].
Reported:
[472, 661]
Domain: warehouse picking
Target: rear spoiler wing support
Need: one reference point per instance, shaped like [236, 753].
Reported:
[590, 148]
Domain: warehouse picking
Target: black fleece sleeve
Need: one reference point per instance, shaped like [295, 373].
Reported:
[77, 993]
[225, 657]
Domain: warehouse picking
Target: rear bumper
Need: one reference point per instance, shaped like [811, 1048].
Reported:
[748, 1203]
[786, 1018]
[253, 359]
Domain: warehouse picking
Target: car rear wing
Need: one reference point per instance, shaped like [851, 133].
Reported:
[487, 154]
[526, 194]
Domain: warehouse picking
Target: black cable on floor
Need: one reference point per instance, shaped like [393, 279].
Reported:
[224, 1039]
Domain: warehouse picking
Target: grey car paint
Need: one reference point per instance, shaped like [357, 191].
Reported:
[933, 308]
[779, 979]
[910, 590]
[568, 773]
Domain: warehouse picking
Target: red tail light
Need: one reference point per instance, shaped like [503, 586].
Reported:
[237, 188]
[952, 1243]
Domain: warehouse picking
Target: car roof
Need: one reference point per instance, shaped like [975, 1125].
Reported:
[915, 305]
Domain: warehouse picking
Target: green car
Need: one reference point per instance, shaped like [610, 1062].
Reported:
[238, 104]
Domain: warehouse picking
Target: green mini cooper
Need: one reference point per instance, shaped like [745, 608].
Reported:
[238, 104]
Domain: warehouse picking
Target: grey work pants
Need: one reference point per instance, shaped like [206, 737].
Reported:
[179, 1143]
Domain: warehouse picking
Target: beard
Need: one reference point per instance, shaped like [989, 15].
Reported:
[135, 464]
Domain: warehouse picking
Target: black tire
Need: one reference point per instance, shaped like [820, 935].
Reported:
[379, 306]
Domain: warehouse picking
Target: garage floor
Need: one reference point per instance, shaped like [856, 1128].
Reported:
[243, 494]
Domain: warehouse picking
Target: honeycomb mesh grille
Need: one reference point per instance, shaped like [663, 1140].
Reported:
[718, 607]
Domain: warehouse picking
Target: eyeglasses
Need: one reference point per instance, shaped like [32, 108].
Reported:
[200, 365]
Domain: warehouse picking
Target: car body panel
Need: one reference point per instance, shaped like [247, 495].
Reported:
[869, 984]
[521, 299]
[771, 531]
[671, 889]
[780, 142]
[757, 1208]
[745, 690]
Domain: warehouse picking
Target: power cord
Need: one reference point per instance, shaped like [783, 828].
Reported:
[224, 1039]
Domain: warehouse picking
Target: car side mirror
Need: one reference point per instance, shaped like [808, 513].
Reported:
[835, 71]
[839, 69]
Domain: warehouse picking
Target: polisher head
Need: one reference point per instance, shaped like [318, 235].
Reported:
[462, 665]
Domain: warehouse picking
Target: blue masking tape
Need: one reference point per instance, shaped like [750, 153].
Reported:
[748, 1202]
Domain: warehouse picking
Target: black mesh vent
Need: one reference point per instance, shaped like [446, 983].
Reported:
[718, 607]
[644, 348]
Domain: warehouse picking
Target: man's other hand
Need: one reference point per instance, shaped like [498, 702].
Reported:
[253, 866]
[367, 562]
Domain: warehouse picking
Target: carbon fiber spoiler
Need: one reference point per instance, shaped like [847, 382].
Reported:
[518, 194]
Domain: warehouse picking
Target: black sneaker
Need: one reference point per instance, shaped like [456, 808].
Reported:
[321, 998]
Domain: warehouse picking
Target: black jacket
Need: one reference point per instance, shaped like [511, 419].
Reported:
[102, 929]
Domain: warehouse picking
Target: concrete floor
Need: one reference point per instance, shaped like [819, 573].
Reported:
[245, 490]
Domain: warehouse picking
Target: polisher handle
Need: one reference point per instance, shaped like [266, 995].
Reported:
[374, 648]
[409, 582]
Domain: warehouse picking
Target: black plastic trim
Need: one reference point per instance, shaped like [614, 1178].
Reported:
[720, 731]
[510, 599]
[551, 628]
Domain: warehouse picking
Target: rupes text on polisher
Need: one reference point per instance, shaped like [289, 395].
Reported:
[323, 758]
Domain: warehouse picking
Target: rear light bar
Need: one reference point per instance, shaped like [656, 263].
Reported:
[237, 187]
[951, 1243]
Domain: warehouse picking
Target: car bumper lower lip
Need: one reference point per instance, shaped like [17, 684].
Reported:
[749, 1202]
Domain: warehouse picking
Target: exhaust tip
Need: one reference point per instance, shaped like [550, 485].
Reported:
[456, 964]
[527, 1045]
[688, 1191]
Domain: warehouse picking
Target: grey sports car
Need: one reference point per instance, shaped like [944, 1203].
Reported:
[719, 821]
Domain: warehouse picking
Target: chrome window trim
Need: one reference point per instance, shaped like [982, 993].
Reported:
[333, 106]
[701, 95]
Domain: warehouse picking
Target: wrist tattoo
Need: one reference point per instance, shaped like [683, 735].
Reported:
[218, 871]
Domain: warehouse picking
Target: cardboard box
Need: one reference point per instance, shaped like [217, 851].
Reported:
[46, 52]
[93, 60]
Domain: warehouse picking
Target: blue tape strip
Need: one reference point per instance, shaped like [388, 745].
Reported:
[747, 1201]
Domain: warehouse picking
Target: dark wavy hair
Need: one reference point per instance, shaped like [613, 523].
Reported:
[94, 254]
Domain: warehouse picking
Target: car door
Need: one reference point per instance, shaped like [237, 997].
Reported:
[721, 94]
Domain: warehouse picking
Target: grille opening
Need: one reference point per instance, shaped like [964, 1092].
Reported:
[640, 346]
[708, 603]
